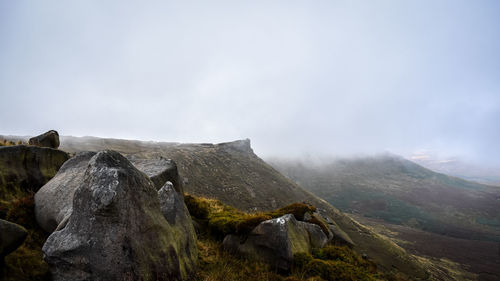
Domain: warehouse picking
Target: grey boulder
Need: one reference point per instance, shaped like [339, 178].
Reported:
[48, 139]
[273, 241]
[160, 171]
[54, 201]
[116, 230]
[11, 237]
[317, 237]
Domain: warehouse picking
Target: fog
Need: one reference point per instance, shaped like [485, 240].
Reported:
[296, 77]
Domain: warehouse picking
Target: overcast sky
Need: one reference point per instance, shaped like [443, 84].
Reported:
[334, 77]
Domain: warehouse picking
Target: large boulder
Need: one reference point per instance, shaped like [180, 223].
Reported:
[48, 139]
[160, 171]
[11, 237]
[27, 168]
[176, 213]
[116, 230]
[273, 241]
[54, 201]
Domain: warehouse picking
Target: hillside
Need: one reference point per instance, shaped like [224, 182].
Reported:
[390, 190]
[233, 174]
[401, 192]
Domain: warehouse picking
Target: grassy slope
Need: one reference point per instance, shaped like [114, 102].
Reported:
[241, 179]
[401, 192]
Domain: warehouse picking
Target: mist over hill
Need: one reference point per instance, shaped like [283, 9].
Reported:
[399, 191]
[411, 204]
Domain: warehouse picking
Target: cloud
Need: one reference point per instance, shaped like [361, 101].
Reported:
[296, 77]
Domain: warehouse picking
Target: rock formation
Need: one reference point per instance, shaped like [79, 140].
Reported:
[176, 213]
[11, 237]
[273, 241]
[116, 230]
[27, 168]
[54, 201]
[160, 170]
[48, 139]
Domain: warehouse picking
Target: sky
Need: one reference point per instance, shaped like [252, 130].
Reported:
[296, 77]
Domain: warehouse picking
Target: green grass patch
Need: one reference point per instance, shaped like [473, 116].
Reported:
[221, 220]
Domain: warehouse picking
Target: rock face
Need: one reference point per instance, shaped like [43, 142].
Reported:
[273, 241]
[116, 230]
[160, 171]
[27, 168]
[240, 145]
[48, 139]
[176, 213]
[54, 201]
[11, 237]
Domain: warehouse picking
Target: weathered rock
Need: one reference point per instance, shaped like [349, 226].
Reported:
[54, 201]
[317, 237]
[48, 139]
[116, 230]
[273, 241]
[160, 171]
[175, 211]
[11, 237]
[27, 168]
[336, 234]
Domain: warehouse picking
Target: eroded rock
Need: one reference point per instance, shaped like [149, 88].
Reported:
[176, 213]
[160, 171]
[48, 139]
[11, 237]
[54, 201]
[27, 168]
[116, 230]
[273, 241]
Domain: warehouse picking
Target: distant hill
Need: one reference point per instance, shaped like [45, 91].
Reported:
[399, 191]
[232, 173]
[398, 199]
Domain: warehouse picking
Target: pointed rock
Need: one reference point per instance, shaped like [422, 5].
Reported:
[176, 213]
[116, 230]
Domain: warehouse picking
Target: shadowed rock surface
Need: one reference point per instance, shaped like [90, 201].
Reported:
[11, 237]
[27, 168]
[48, 139]
[54, 201]
[117, 230]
